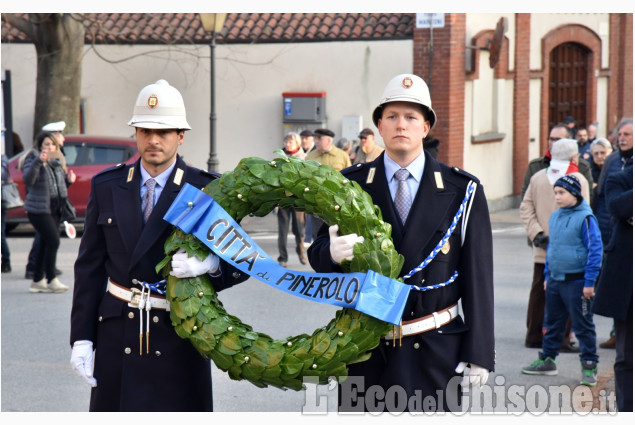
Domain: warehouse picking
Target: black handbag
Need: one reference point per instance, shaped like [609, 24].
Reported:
[68, 212]
[11, 196]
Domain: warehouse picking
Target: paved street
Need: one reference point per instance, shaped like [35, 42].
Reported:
[36, 375]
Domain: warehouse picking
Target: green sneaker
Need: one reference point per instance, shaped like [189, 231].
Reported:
[589, 373]
[541, 367]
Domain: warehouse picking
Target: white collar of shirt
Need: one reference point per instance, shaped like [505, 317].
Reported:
[415, 167]
[416, 172]
[161, 179]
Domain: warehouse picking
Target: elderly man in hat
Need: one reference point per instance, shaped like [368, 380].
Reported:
[367, 150]
[436, 350]
[326, 152]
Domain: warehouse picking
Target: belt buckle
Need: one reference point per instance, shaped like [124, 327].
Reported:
[135, 299]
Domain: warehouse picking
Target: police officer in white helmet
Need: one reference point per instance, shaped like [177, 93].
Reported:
[135, 361]
[440, 224]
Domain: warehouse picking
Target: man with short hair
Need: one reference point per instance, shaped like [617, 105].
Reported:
[584, 146]
[123, 241]
[345, 144]
[569, 121]
[419, 197]
[367, 150]
[592, 131]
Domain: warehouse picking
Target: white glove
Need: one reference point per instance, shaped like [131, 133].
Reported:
[475, 375]
[184, 266]
[342, 246]
[82, 361]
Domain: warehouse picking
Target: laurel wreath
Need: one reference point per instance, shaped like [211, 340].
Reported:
[255, 187]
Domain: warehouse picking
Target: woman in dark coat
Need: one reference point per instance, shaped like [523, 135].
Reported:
[46, 179]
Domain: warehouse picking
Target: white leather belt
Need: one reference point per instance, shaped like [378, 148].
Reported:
[133, 296]
[427, 323]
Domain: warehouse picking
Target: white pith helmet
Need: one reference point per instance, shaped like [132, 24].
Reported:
[159, 105]
[54, 126]
[406, 88]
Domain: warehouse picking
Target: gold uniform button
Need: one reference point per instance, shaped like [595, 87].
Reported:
[155, 319]
[127, 350]
[131, 315]
[101, 318]
[109, 220]
[416, 345]
[157, 353]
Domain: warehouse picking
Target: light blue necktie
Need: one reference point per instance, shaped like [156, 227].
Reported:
[402, 196]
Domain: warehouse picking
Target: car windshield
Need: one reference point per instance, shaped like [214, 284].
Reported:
[84, 154]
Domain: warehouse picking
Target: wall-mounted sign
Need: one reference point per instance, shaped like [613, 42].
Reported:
[427, 20]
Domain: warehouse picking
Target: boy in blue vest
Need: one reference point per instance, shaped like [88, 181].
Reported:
[574, 257]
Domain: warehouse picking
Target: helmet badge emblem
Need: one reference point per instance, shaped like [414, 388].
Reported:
[153, 101]
[407, 82]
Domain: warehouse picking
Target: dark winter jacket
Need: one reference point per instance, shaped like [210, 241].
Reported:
[612, 165]
[45, 184]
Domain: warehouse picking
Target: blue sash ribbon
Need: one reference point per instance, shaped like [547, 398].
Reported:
[195, 212]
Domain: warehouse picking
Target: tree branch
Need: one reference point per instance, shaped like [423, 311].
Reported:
[21, 24]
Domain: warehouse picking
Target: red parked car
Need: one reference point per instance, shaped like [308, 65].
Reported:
[86, 156]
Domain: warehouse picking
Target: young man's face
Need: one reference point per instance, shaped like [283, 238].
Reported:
[403, 127]
[158, 147]
[564, 198]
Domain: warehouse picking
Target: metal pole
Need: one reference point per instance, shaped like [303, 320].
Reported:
[212, 162]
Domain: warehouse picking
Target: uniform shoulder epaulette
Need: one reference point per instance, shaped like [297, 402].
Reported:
[354, 168]
[119, 166]
[211, 174]
[464, 173]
